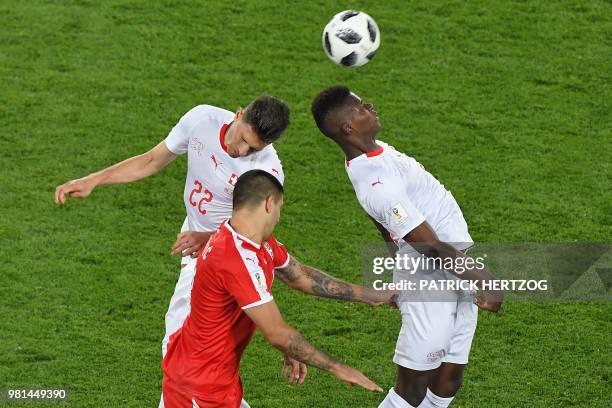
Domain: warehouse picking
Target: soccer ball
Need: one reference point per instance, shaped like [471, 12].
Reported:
[351, 38]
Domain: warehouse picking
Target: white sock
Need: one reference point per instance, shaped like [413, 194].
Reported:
[393, 400]
[433, 401]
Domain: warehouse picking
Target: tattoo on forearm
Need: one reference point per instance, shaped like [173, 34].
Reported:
[300, 349]
[290, 273]
[326, 286]
[320, 283]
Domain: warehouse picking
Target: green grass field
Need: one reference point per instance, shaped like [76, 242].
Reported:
[507, 103]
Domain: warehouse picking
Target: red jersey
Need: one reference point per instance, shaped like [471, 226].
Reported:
[232, 273]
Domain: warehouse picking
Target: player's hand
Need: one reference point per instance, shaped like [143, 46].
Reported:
[78, 188]
[294, 370]
[188, 243]
[489, 301]
[352, 376]
[383, 297]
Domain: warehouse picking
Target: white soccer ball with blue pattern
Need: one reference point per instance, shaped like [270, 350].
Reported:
[351, 38]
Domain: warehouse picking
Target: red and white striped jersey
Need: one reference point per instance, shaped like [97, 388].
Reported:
[232, 273]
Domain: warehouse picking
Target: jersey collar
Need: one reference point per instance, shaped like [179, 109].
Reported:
[241, 237]
[222, 136]
[376, 152]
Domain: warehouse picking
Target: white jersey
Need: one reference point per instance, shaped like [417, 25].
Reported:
[211, 172]
[400, 194]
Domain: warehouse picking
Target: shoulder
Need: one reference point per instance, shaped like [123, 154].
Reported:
[268, 154]
[219, 251]
[272, 244]
[206, 113]
[268, 160]
[232, 251]
[365, 174]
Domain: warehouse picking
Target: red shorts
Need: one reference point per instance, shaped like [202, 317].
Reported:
[175, 398]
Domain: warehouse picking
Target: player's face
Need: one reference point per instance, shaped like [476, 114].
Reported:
[241, 139]
[364, 119]
[275, 207]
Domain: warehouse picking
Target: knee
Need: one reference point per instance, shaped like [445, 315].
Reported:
[453, 385]
[411, 385]
[411, 393]
[448, 387]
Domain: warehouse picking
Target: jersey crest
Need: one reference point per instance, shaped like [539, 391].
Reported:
[269, 250]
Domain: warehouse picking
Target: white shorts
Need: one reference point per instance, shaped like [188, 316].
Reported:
[433, 333]
[180, 304]
[437, 327]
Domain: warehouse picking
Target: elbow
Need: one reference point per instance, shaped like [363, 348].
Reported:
[433, 248]
[294, 282]
[276, 338]
[299, 285]
[277, 335]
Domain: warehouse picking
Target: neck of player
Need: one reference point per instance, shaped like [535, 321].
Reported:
[352, 150]
[248, 225]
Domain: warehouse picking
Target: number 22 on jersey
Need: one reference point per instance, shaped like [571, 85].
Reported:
[205, 197]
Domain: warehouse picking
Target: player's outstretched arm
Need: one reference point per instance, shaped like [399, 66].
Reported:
[315, 282]
[132, 169]
[425, 241]
[278, 333]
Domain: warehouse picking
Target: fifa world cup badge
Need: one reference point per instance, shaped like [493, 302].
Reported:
[399, 214]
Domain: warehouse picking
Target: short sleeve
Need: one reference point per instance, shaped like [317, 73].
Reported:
[177, 140]
[393, 210]
[272, 164]
[247, 285]
[280, 255]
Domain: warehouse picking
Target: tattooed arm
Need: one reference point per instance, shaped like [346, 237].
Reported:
[278, 333]
[314, 282]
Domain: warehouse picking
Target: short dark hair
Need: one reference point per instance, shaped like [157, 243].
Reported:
[327, 102]
[268, 116]
[253, 187]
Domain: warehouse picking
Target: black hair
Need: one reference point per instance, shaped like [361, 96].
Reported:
[253, 187]
[327, 102]
[268, 116]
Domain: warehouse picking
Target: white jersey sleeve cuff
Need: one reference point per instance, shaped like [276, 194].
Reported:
[409, 227]
[175, 149]
[259, 302]
[285, 264]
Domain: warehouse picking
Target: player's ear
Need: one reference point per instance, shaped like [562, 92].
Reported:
[239, 113]
[346, 127]
[269, 202]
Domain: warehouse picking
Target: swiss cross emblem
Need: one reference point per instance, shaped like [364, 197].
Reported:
[233, 178]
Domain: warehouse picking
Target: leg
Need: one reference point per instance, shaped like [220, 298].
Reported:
[443, 386]
[410, 388]
[448, 380]
[418, 352]
[412, 385]
[422, 342]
